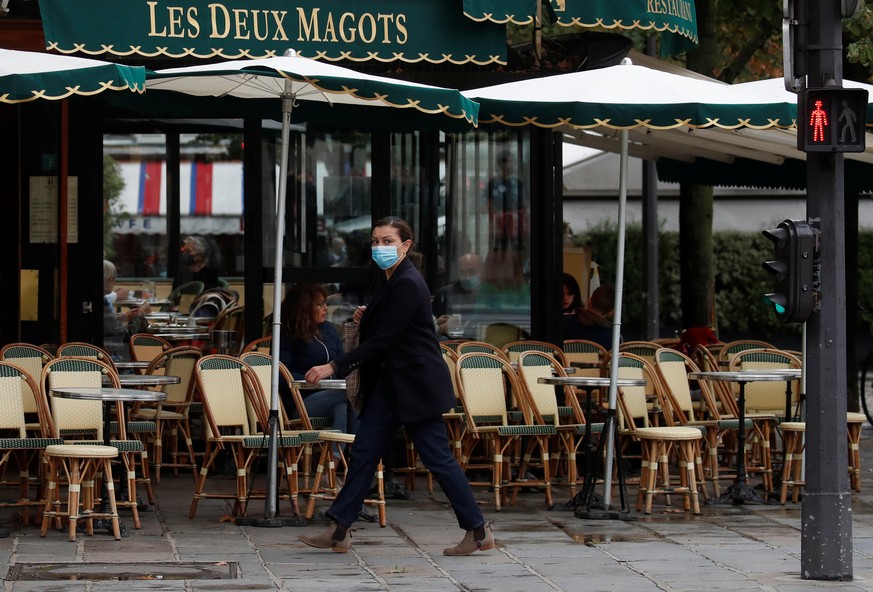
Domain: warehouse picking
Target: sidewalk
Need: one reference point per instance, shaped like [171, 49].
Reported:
[727, 548]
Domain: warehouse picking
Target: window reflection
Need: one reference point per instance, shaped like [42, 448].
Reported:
[487, 215]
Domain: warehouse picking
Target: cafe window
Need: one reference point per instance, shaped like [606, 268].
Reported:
[487, 236]
[136, 236]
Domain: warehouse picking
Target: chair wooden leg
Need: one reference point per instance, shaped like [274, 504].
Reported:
[792, 463]
[209, 456]
[854, 437]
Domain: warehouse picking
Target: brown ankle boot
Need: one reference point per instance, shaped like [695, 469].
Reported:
[470, 544]
[332, 538]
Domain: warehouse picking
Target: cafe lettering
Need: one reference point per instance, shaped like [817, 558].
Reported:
[383, 30]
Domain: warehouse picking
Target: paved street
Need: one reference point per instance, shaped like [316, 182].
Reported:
[727, 548]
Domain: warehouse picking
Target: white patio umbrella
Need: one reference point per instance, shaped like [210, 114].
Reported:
[31, 76]
[627, 97]
[292, 78]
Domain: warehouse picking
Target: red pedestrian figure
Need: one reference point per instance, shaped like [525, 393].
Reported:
[818, 121]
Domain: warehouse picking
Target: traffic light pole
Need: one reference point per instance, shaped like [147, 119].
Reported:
[826, 545]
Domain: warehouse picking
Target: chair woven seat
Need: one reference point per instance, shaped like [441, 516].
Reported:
[29, 443]
[81, 451]
[793, 426]
[734, 424]
[527, 430]
[596, 428]
[319, 423]
[150, 414]
[336, 437]
[264, 442]
[674, 433]
[135, 427]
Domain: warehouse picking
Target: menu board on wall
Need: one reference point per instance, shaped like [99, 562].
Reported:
[44, 210]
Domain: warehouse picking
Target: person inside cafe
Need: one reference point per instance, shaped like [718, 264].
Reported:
[503, 288]
[458, 297]
[119, 326]
[571, 304]
[195, 264]
[309, 339]
[403, 382]
[595, 321]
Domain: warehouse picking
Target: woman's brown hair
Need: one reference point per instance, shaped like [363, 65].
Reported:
[298, 311]
[401, 225]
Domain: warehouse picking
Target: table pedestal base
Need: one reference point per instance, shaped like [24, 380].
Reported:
[738, 494]
[590, 504]
[276, 522]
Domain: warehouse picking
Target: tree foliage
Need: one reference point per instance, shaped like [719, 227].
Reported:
[740, 281]
[113, 185]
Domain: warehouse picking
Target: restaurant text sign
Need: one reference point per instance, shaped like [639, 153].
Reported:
[383, 30]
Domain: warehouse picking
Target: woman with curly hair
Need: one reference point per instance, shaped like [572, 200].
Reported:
[308, 340]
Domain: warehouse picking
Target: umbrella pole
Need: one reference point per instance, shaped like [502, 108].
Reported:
[270, 495]
[616, 326]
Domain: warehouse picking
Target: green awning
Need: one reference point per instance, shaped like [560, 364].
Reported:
[28, 76]
[677, 17]
[379, 30]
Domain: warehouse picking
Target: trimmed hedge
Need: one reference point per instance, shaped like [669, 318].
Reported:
[740, 281]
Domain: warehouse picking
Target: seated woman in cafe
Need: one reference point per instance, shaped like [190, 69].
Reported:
[309, 339]
[119, 326]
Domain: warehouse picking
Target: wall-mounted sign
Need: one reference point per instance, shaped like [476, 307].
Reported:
[433, 31]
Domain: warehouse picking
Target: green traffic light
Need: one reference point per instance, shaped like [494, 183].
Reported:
[771, 300]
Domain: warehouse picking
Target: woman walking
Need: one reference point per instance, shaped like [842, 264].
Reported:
[404, 381]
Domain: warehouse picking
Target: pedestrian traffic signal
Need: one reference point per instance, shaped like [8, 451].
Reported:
[831, 119]
[795, 293]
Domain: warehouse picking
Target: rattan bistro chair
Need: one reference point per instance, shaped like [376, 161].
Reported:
[15, 445]
[229, 392]
[658, 442]
[145, 347]
[81, 422]
[31, 359]
[514, 349]
[171, 417]
[532, 366]
[482, 380]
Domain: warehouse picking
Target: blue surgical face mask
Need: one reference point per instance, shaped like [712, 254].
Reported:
[385, 257]
[470, 283]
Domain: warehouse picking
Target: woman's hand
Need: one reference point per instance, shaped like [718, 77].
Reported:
[359, 312]
[317, 373]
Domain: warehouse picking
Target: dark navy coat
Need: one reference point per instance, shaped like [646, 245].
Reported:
[398, 346]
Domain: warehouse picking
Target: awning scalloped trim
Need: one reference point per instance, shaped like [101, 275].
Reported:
[636, 24]
[409, 104]
[501, 20]
[567, 122]
[72, 90]
[318, 55]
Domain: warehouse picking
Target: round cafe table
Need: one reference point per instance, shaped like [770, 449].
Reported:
[146, 380]
[108, 396]
[740, 491]
[132, 365]
[587, 498]
[328, 384]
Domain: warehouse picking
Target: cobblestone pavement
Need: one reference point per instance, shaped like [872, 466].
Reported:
[754, 547]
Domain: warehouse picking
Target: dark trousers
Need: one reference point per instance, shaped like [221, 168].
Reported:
[372, 441]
